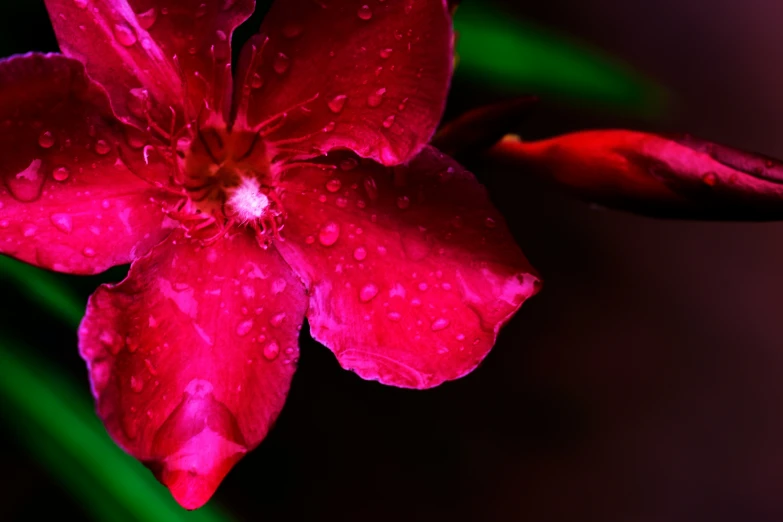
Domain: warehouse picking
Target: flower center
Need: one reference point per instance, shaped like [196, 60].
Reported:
[229, 182]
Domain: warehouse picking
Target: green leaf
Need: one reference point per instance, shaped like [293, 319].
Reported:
[63, 432]
[47, 289]
[520, 57]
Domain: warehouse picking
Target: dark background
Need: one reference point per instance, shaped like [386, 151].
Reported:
[643, 384]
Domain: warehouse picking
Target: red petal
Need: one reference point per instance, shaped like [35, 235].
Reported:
[192, 355]
[380, 72]
[67, 202]
[411, 270]
[148, 44]
[655, 175]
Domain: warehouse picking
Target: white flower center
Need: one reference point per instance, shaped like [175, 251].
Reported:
[247, 200]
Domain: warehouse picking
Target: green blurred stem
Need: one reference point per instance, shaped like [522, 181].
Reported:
[59, 414]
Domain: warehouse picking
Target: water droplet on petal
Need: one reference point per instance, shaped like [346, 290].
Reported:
[329, 234]
[365, 13]
[102, 148]
[348, 164]
[403, 202]
[371, 188]
[385, 53]
[329, 127]
[490, 223]
[388, 122]
[136, 384]
[281, 63]
[394, 316]
[124, 35]
[256, 81]
[376, 98]
[88, 252]
[337, 104]
[27, 184]
[333, 185]
[81, 4]
[360, 254]
[341, 202]
[277, 319]
[147, 18]
[310, 240]
[46, 139]
[440, 324]
[61, 173]
[368, 293]
[244, 327]
[271, 351]
[62, 222]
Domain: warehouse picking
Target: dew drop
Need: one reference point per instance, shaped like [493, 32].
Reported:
[102, 148]
[360, 254]
[490, 223]
[329, 127]
[365, 13]
[256, 81]
[329, 234]
[88, 252]
[371, 188]
[368, 293]
[337, 104]
[46, 139]
[281, 63]
[81, 4]
[244, 327]
[376, 98]
[348, 164]
[29, 230]
[147, 18]
[271, 351]
[62, 222]
[277, 319]
[333, 185]
[385, 53]
[440, 324]
[27, 184]
[341, 202]
[394, 316]
[310, 240]
[136, 384]
[403, 202]
[388, 122]
[124, 35]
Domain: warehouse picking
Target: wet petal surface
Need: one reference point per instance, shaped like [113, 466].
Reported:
[370, 77]
[411, 270]
[175, 53]
[67, 201]
[192, 355]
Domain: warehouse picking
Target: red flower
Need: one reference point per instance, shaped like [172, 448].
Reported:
[301, 184]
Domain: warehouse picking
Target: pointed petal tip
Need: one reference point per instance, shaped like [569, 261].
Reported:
[193, 473]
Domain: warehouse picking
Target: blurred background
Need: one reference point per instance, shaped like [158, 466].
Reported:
[644, 383]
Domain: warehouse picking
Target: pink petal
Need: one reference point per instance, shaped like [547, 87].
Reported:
[176, 52]
[674, 176]
[372, 76]
[191, 357]
[67, 201]
[411, 271]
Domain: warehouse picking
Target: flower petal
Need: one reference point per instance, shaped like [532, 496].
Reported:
[376, 75]
[411, 271]
[67, 202]
[178, 51]
[192, 355]
[662, 176]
